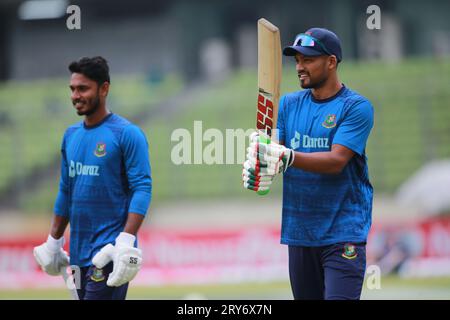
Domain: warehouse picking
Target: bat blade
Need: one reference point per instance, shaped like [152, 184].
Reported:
[269, 77]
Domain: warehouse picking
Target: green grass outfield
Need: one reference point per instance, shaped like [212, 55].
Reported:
[391, 288]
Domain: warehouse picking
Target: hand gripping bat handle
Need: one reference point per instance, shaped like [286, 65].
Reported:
[263, 139]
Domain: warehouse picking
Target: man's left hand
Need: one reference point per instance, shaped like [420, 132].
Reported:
[127, 259]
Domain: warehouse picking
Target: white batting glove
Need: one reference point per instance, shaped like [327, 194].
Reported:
[255, 182]
[50, 256]
[269, 159]
[127, 259]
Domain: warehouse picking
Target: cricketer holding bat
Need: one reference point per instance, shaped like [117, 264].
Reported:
[104, 193]
[327, 195]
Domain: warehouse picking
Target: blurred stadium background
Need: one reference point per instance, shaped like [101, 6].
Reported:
[175, 62]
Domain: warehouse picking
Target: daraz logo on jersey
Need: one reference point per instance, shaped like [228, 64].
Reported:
[306, 141]
[79, 169]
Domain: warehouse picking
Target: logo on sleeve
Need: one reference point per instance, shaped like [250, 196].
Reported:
[330, 121]
[100, 149]
[349, 251]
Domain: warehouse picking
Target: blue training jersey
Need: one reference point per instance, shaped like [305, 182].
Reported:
[323, 209]
[105, 174]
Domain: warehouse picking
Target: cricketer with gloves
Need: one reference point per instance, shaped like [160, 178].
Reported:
[104, 193]
[327, 195]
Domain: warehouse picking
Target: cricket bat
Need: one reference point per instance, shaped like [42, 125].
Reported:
[69, 283]
[269, 79]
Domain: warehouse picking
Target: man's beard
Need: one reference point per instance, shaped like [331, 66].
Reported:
[318, 82]
[94, 104]
[314, 85]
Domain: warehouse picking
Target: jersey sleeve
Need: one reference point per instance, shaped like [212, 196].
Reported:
[355, 128]
[61, 207]
[280, 121]
[138, 170]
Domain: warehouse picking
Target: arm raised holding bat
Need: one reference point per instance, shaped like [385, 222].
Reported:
[275, 158]
[327, 195]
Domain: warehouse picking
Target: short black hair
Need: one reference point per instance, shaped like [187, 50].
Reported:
[95, 68]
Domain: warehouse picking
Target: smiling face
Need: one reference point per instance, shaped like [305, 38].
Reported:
[86, 95]
[313, 72]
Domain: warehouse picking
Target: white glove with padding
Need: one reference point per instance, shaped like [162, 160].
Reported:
[268, 159]
[50, 256]
[127, 259]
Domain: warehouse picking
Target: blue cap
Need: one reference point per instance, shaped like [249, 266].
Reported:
[321, 42]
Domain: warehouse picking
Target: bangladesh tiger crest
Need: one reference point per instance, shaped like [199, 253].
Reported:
[349, 251]
[330, 121]
[100, 149]
[97, 275]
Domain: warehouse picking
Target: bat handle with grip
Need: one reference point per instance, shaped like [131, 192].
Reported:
[263, 139]
[68, 281]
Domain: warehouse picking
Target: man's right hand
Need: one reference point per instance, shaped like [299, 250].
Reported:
[50, 256]
[255, 181]
[268, 158]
